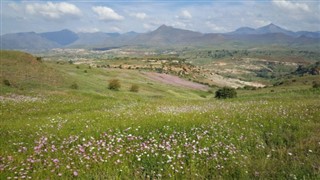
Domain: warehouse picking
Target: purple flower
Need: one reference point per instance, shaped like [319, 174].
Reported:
[55, 161]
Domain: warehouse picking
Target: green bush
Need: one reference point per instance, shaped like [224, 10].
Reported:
[134, 88]
[225, 93]
[316, 85]
[114, 84]
[74, 86]
[6, 82]
[39, 59]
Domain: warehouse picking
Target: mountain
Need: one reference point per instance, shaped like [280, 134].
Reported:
[309, 34]
[63, 37]
[27, 41]
[268, 29]
[86, 40]
[163, 36]
[244, 30]
[271, 28]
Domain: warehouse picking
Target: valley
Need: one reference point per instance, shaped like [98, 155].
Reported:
[152, 111]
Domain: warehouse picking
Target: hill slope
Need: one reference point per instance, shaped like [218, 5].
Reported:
[63, 37]
[27, 41]
[24, 71]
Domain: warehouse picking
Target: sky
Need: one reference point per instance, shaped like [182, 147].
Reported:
[207, 16]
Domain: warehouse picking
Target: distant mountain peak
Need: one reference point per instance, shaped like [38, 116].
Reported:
[244, 30]
[164, 27]
[271, 26]
[62, 37]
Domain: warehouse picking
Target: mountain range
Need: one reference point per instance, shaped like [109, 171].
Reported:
[162, 36]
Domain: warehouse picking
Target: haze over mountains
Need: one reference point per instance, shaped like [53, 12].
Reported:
[162, 36]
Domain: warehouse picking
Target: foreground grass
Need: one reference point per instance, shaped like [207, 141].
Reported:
[125, 135]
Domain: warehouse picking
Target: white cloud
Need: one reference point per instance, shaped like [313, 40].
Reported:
[178, 24]
[284, 4]
[106, 13]
[147, 26]
[259, 23]
[115, 29]
[215, 27]
[88, 30]
[14, 6]
[185, 14]
[53, 10]
[139, 15]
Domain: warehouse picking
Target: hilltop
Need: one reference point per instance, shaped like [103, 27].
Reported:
[25, 71]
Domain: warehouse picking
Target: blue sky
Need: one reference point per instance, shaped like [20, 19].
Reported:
[143, 16]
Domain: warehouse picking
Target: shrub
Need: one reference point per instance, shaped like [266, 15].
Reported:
[203, 96]
[74, 86]
[114, 84]
[134, 88]
[316, 85]
[6, 82]
[39, 59]
[226, 92]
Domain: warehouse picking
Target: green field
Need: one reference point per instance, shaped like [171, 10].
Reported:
[49, 130]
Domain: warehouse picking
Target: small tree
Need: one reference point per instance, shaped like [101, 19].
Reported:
[114, 84]
[134, 88]
[225, 93]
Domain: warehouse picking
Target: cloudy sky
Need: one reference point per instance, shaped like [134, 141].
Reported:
[146, 15]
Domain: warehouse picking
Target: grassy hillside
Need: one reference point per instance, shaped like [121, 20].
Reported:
[159, 132]
[24, 71]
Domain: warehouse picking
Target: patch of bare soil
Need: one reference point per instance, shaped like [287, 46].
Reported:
[230, 82]
[175, 81]
[18, 98]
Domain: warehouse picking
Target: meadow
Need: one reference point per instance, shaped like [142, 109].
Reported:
[160, 132]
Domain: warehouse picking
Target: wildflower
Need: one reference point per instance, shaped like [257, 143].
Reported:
[75, 173]
[55, 161]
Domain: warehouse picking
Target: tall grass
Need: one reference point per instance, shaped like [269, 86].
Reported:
[88, 135]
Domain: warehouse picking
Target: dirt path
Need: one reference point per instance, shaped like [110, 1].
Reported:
[174, 80]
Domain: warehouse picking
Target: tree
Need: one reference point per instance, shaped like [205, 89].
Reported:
[114, 84]
[225, 93]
